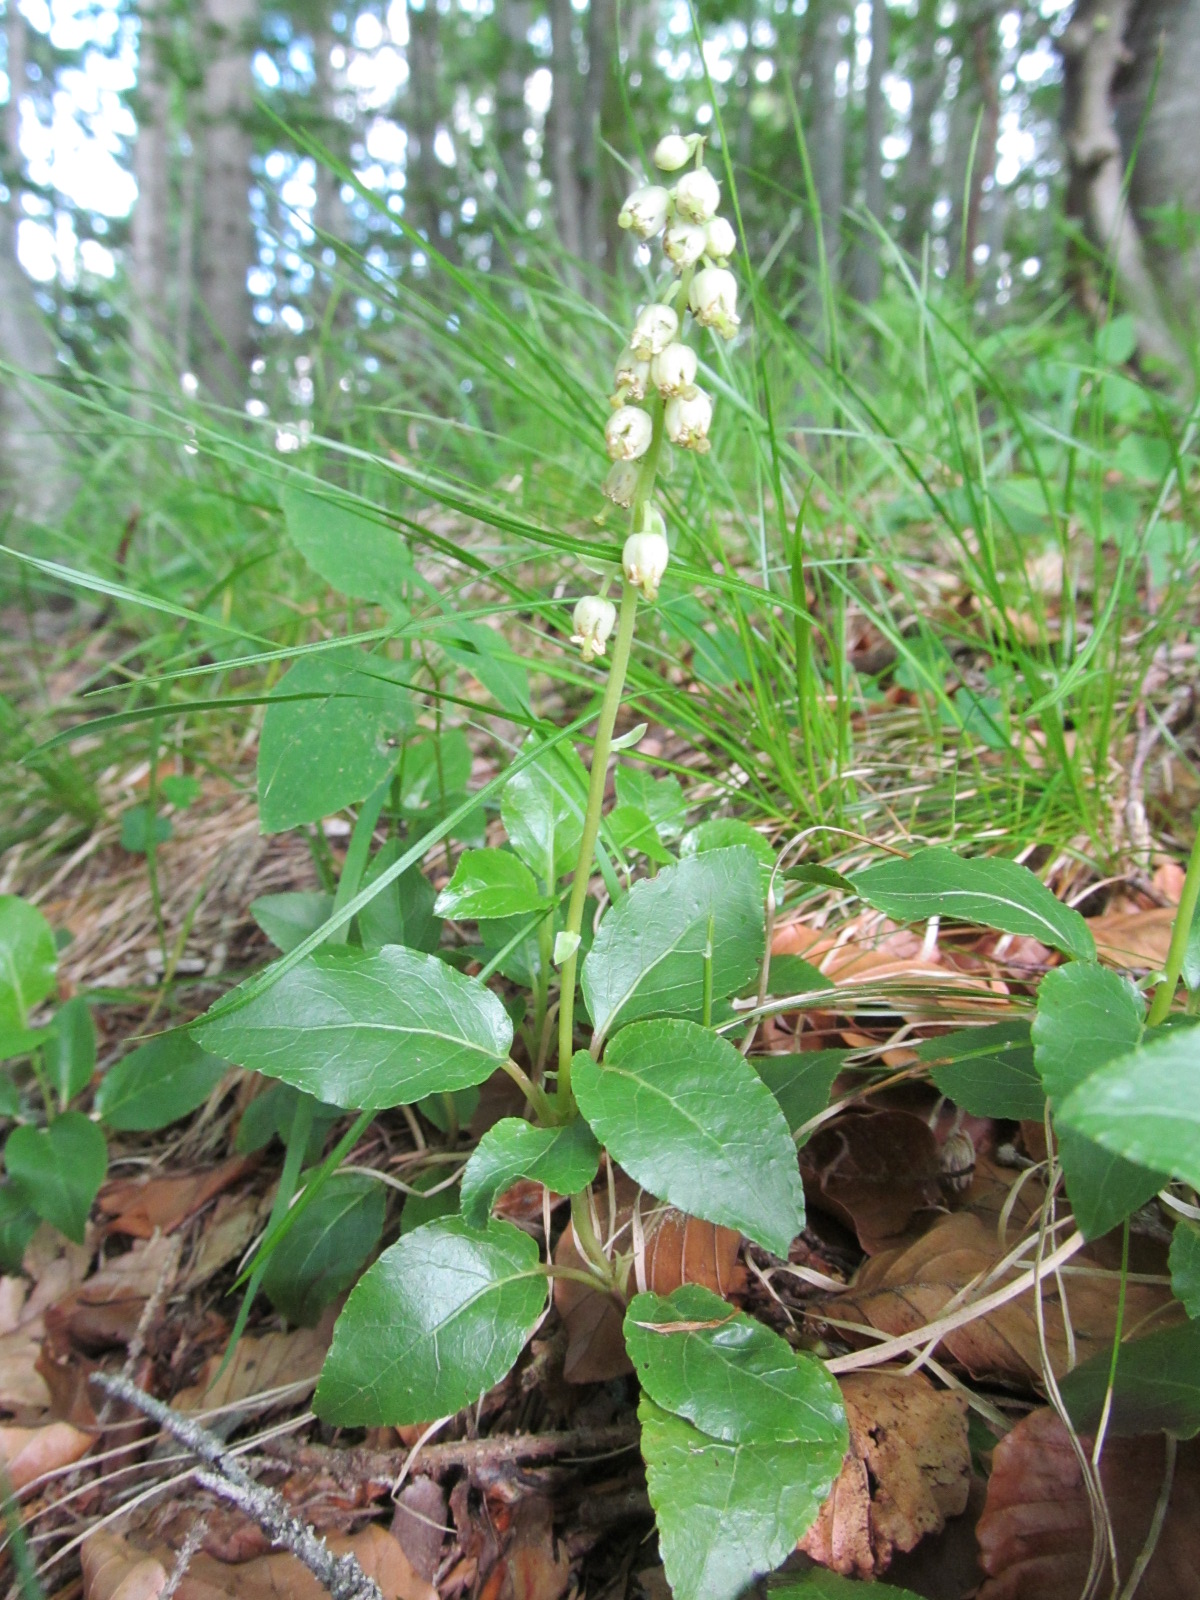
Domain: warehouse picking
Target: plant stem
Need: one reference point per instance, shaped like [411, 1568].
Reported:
[1180, 932]
[601, 749]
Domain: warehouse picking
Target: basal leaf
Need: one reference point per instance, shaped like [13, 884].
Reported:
[490, 883]
[1184, 1262]
[633, 832]
[728, 1512]
[28, 960]
[402, 913]
[689, 1119]
[997, 894]
[649, 954]
[1087, 1016]
[69, 1054]
[18, 1224]
[326, 1249]
[822, 1584]
[440, 1317]
[564, 1159]
[1157, 1386]
[367, 1029]
[57, 1171]
[158, 1083]
[660, 798]
[793, 975]
[989, 1071]
[800, 1082]
[357, 555]
[332, 732]
[287, 919]
[729, 1375]
[542, 808]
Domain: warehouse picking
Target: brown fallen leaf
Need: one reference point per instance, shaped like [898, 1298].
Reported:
[907, 1470]
[1035, 1534]
[419, 1523]
[531, 1566]
[116, 1570]
[872, 1170]
[106, 1308]
[223, 1236]
[873, 951]
[1136, 940]
[142, 1206]
[30, 1453]
[56, 1268]
[258, 1369]
[900, 1291]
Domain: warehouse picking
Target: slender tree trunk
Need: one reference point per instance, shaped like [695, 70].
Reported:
[561, 123]
[596, 196]
[512, 118]
[927, 76]
[826, 131]
[983, 168]
[224, 332]
[150, 228]
[867, 263]
[424, 61]
[191, 165]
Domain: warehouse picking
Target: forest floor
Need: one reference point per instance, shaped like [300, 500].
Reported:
[927, 1226]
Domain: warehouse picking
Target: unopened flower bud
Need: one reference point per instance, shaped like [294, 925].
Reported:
[645, 211]
[594, 619]
[684, 243]
[713, 299]
[673, 151]
[644, 560]
[673, 370]
[632, 373]
[697, 195]
[628, 434]
[621, 483]
[653, 331]
[722, 241]
[687, 419]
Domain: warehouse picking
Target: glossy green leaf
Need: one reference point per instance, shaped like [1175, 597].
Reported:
[565, 1159]
[989, 1071]
[822, 1584]
[286, 919]
[649, 954]
[1087, 1016]
[484, 653]
[140, 828]
[994, 893]
[357, 555]
[1184, 1261]
[1191, 954]
[1157, 1386]
[271, 1115]
[323, 1254]
[729, 1375]
[490, 883]
[401, 913]
[816, 876]
[158, 1083]
[69, 1054]
[1144, 1106]
[728, 1512]
[447, 1111]
[424, 1206]
[689, 1119]
[367, 1029]
[800, 1082]
[727, 833]
[542, 809]
[660, 798]
[633, 832]
[438, 1319]
[18, 1224]
[58, 1170]
[433, 767]
[331, 734]
[10, 1097]
[793, 975]
[28, 960]
[18, 1042]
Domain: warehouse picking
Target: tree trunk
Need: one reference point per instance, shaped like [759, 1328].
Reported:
[597, 197]
[927, 75]
[561, 122]
[826, 131]
[867, 261]
[149, 244]
[512, 118]
[224, 331]
[426, 177]
[983, 167]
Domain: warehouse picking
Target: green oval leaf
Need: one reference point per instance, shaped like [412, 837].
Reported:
[728, 1374]
[997, 894]
[542, 808]
[564, 1159]
[821, 1584]
[286, 919]
[438, 1319]
[649, 954]
[28, 960]
[690, 1120]
[1157, 1386]
[490, 883]
[1184, 1262]
[989, 1071]
[323, 1254]
[57, 1171]
[800, 1082]
[357, 555]
[728, 1512]
[158, 1083]
[69, 1053]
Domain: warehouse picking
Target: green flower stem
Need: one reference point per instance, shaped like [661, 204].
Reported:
[1180, 932]
[586, 1238]
[601, 750]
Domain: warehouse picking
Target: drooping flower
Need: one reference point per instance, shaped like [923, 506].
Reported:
[713, 299]
[673, 370]
[673, 150]
[628, 433]
[644, 560]
[631, 374]
[645, 211]
[687, 419]
[697, 195]
[653, 331]
[684, 243]
[594, 619]
[620, 485]
[722, 241]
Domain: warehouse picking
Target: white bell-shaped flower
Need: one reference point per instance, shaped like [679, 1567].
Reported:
[594, 619]
[632, 373]
[645, 211]
[722, 241]
[620, 485]
[713, 299]
[697, 195]
[644, 560]
[628, 433]
[653, 331]
[684, 243]
[673, 150]
[687, 419]
[673, 370]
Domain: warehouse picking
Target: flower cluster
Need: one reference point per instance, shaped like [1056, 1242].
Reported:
[656, 368]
